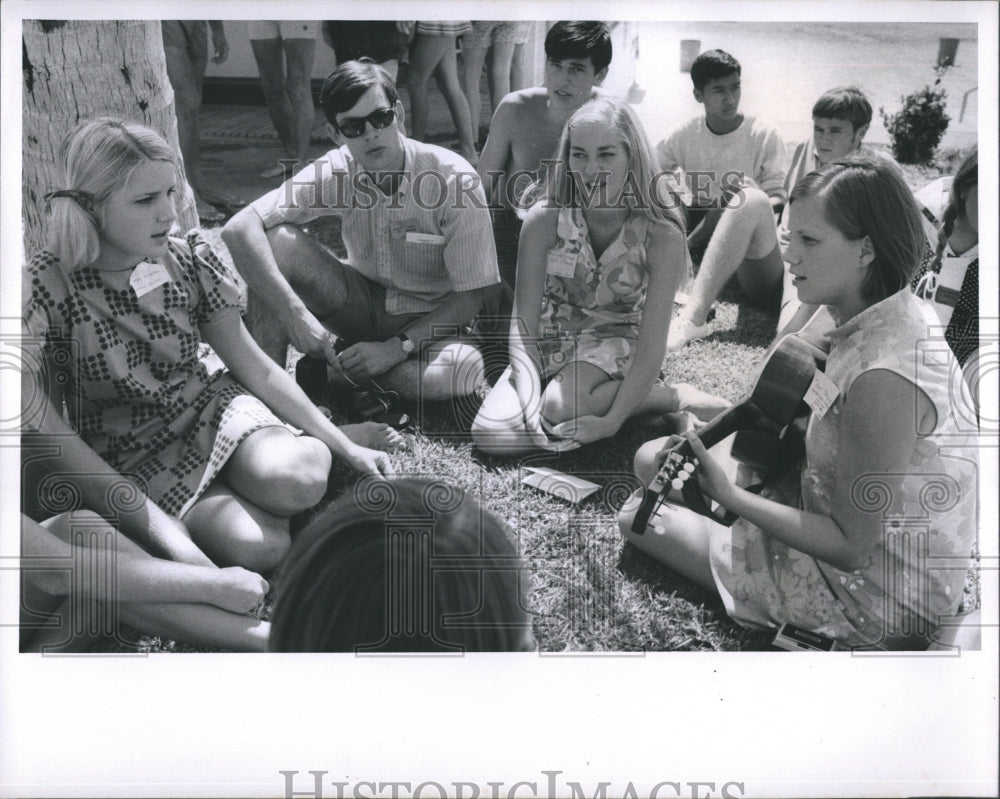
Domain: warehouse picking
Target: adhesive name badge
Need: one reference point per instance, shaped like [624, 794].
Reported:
[560, 263]
[821, 395]
[147, 276]
[413, 237]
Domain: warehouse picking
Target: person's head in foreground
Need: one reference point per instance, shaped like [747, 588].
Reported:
[856, 236]
[408, 566]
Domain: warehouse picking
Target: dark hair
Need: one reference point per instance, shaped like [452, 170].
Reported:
[712, 65]
[407, 566]
[865, 195]
[844, 102]
[348, 82]
[965, 178]
[580, 40]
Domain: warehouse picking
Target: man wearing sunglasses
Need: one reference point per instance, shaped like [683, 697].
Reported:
[420, 251]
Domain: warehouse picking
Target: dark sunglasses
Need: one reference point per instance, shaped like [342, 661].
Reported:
[355, 126]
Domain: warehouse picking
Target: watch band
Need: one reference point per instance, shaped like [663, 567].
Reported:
[406, 343]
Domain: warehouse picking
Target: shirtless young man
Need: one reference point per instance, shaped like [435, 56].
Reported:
[527, 124]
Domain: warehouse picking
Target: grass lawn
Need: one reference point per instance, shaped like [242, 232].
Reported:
[587, 589]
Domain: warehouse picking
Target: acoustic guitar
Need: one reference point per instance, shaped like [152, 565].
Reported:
[769, 426]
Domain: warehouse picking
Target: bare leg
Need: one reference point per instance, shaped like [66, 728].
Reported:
[316, 275]
[744, 239]
[582, 389]
[281, 472]
[446, 73]
[472, 73]
[448, 369]
[426, 52]
[270, 57]
[675, 536]
[242, 519]
[299, 56]
[518, 70]
[499, 72]
[137, 572]
[186, 74]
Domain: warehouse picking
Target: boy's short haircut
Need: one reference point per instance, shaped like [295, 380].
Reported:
[844, 102]
[712, 65]
[348, 82]
[580, 40]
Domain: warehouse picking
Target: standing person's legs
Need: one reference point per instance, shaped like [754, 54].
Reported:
[426, 53]
[475, 45]
[499, 72]
[473, 58]
[185, 49]
[270, 57]
[299, 56]
[446, 74]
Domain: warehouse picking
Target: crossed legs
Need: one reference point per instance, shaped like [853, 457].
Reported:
[445, 369]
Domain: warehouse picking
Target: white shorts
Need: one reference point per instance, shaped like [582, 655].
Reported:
[282, 29]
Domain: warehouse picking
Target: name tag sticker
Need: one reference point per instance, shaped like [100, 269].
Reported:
[147, 276]
[561, 263]
[821, 395]
[401, 227]
[423, 238]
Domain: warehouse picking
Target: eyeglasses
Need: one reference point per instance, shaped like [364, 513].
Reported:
[355, 126]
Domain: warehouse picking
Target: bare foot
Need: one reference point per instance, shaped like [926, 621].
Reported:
[702, 404]
[374, 435]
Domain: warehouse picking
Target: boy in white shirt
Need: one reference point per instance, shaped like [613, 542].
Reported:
[733, 170]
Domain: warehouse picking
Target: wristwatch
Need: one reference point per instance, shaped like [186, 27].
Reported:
[406, 344]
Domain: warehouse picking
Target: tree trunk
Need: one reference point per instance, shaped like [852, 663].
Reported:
[74, 70]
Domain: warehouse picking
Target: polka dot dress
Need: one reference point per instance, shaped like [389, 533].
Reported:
[140, 389]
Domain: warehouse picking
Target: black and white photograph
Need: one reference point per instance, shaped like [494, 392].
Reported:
[491, 407]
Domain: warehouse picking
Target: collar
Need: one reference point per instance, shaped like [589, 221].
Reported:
[359, 176]
[872, 316]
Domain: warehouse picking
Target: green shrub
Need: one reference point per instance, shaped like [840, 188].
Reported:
[917, 128]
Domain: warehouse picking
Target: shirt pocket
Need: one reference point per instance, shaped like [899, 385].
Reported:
[423, 254]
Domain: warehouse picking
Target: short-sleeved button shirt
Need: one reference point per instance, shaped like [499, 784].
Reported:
[430, 239]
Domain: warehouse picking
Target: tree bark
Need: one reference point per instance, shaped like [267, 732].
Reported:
[74, 70]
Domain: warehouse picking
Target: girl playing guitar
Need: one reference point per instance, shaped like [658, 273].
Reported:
[873, 549]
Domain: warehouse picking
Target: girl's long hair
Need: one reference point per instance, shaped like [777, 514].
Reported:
[645, 192]
[966, 177]
[98, 158]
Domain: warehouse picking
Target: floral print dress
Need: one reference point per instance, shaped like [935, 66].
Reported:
[916, 575]
[141, 390]
[592, 307]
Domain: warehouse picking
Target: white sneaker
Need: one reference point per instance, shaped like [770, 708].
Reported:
[683, 331]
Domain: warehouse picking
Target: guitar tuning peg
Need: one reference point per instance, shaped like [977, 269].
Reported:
[677, 484]
[659, 528]
[689, 467]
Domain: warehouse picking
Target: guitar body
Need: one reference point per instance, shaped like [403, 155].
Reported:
[769, 423]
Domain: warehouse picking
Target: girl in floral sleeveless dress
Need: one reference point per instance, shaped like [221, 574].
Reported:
[872, 549]
[189, 459]
[605, 242]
